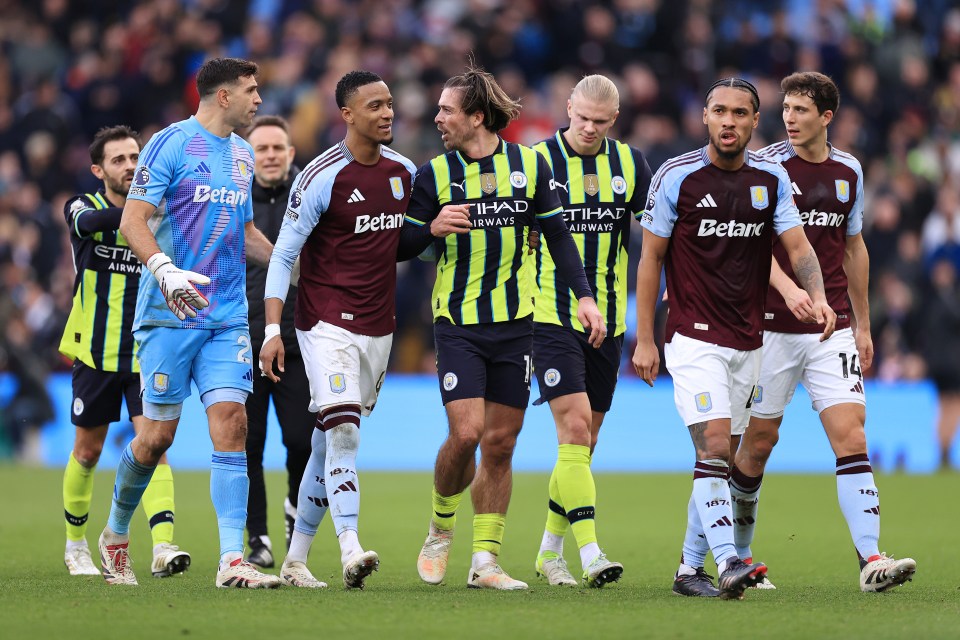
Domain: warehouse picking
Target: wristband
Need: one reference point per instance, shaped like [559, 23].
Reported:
[270, 331]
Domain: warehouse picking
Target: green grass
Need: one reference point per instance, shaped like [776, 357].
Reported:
[802, 537]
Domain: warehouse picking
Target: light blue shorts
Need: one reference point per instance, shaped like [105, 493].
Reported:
[213, 358]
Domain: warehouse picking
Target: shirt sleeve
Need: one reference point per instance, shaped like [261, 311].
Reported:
[158, 165]
[660, 212]
[546, 202]
[84, 219]
[855, 222]
[424, 204]
[787, 216]
[641, 185]
[304, 208]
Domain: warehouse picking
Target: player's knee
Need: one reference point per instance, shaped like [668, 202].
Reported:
[851, 443]
[465, 439]
[575, 430]
[88, 453]
[156, 441]
[498, 450]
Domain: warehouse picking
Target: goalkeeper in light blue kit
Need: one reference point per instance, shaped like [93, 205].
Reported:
[191, 318]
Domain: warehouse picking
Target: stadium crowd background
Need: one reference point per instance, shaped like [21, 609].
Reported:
[69, 68]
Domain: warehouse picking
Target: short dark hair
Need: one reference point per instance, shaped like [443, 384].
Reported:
[349, 84]
[736, 83]
[269, 121]
[818, 87]
[482, 93]
[109, 134]
[220, 71]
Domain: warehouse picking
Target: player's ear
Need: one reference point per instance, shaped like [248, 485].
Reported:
[346, 115]
[223, 97]
[826, 117]
[97, 170]
[756, 119]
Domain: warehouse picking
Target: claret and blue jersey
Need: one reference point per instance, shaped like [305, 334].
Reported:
[205, 182]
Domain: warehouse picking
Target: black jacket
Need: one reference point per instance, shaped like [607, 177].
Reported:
[269, 205]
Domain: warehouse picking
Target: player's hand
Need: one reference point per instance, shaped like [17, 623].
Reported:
[864, 347]
[272, 350]
[533, 241]
[592, 320]
[177, 286]
[823, 314]
[800, 305]
[646, 361]
[453, 218]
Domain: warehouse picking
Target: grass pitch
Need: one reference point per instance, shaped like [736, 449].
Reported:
[802, 537]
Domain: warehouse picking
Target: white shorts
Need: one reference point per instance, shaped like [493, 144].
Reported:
[829, 371]
[343, 367]
[712, 382]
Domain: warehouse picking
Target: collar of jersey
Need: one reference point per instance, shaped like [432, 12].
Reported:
[465, 159]
[568, 151]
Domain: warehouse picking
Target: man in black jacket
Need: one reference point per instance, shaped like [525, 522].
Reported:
[273, 175]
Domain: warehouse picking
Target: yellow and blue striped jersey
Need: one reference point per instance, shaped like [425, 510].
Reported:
[599, 195]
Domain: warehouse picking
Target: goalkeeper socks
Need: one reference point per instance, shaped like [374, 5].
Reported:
[745, 493]
[312, 503]
[578, 491]
[859, 502]
[158, 505]
[229, 487]
[488, 532]
[132, 480]
[711, 493]
[77, 495]
[695, 545]
[445, 510]
[342, 427]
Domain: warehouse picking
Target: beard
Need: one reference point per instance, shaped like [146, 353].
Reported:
[729, 153]
[121, 185]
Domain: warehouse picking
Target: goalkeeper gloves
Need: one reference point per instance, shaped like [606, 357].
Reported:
[177, 286]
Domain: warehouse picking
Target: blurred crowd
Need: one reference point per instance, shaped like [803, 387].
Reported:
[69, 68]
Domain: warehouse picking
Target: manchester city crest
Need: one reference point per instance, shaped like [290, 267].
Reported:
[759, 197]
[843, 190]
[518, 179]
[551, 377]
[619, 185]
[449, 381]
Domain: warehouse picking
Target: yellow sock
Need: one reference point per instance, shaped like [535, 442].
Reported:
[488, 532]
[557, 522]
[445, 510]
[77, 494]
[158, 504]
[578, 491]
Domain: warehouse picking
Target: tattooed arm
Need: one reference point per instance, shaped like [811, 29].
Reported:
[806, 267]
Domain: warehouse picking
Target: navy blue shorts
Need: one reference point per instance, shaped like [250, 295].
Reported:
[97, 395]
[566, 363]
[490, 361]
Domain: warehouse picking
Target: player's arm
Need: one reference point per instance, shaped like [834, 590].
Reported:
[84, 219]
[798, 301]
[856, 264]
[553, 228]
[646, 357]
[257, 247]
[426, 220]
[806, 266]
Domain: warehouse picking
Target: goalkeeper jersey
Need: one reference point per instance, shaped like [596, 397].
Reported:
[205, 182]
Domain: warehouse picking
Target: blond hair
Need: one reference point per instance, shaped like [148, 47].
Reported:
[597, 88]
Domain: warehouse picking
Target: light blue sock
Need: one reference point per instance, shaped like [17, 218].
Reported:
[695, 545]
[343, 486]
[229, 486]
[312, 501]
[711, 493]
[132, 480]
